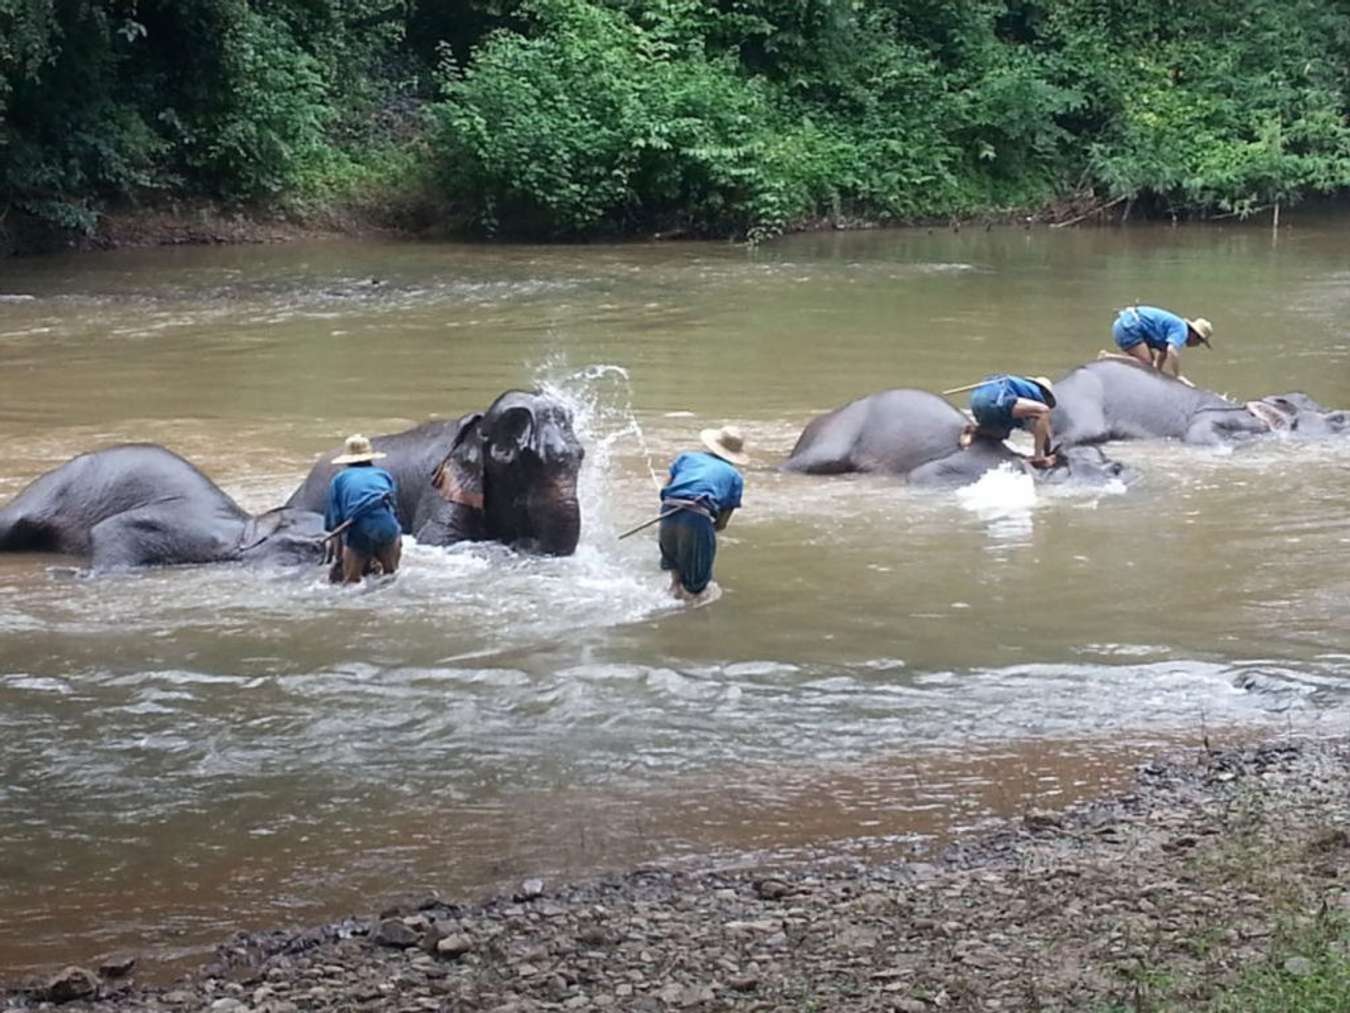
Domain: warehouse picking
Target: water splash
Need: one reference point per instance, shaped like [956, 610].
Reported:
[600, 397]
[1003, 499]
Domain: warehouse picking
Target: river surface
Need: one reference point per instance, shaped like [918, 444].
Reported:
[189, 751]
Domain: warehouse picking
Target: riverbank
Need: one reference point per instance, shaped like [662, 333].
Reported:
[1219, 879]
[417, 215]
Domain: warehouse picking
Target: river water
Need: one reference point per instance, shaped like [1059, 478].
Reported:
[190, 751]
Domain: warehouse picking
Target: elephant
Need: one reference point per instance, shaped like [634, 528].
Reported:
[139, 504]
[508, 474]
[916, 435]
[1114, 400]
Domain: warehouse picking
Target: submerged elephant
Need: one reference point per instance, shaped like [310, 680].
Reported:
[1110, 400]
[915, 435]
[508, 475]
[142, 505]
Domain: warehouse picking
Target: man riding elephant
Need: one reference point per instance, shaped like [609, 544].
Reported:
[508, 474]
[142, 505]
[1155, 337]
[1005, 402]
[916, 435]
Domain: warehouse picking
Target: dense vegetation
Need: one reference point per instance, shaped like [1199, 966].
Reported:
[574, 117]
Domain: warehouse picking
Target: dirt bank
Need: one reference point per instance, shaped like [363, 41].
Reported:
[1164, 895]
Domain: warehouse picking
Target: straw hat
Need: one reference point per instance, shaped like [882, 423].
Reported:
[727, 443]
[1202, 329]
[1047, 389]
[358, 449]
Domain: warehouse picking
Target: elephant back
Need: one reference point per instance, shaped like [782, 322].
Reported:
[906, 429]
[413, 457]
[57, 511]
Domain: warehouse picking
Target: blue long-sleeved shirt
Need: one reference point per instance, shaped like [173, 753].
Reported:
[357, 492]
[1158, 328]
[704, 476]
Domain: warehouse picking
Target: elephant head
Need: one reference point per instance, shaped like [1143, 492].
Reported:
[1086, 465]
[515, 467]
[283, 537]
[1299, 414]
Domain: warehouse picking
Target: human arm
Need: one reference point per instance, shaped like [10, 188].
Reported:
[1038, 414]
[1170, 362]
[332, 516]
[731, 501]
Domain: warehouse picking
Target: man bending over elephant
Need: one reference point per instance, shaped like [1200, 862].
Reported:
[696, 503]
[361, 496]
[1156, 337]
[1005, 402]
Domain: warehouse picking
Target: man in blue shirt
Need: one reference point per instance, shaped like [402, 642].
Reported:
[1004, 402]
[364, 495]
[696, 503]
[1156, 337]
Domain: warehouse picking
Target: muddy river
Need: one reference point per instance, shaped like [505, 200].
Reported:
[188, 751]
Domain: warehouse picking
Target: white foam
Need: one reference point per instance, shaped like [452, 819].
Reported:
[1003, 499]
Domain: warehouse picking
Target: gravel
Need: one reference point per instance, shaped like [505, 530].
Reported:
[1190, 873]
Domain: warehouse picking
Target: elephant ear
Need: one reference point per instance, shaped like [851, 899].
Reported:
[1275, 419]
[459, 477]
[510, 433]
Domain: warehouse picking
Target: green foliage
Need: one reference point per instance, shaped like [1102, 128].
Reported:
[596, 122]
[268, 124]
[1222, 105]
[745, 117]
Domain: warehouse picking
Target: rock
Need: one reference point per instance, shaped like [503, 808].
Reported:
[393, 933]
[1299, 967]
[70, 984]
[1038, 819]
[529, 890]
[672, 994]
[432, 937]
[227, 1005]
[178, 998]
[455, 945]
[592, 935]
[743, 982]
[772, 889]
[760, 925]
[117, 967]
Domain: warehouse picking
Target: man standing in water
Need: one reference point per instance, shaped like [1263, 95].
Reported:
[1156, 337]
[362, 496]
[1004, 402]
[696, 503]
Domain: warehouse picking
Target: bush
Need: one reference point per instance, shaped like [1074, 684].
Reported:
[595, 123]
[577, 117]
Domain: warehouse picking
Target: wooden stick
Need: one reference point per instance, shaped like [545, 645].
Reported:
[969, 386]
[1095, 211]
[646, 524]
[329, 536]
[1117, 357]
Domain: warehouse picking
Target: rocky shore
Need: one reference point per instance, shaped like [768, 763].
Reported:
[1161, 898]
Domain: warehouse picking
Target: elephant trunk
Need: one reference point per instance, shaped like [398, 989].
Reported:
[554, 515]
